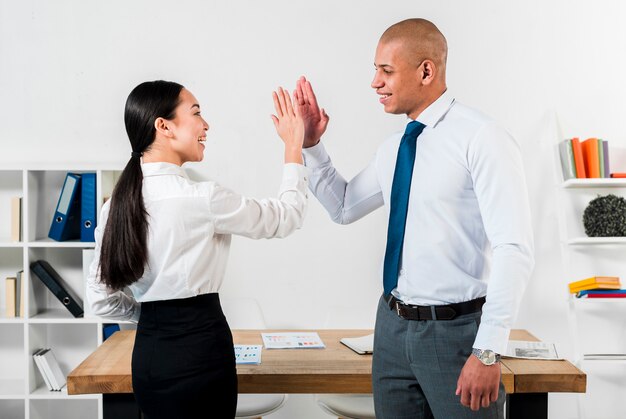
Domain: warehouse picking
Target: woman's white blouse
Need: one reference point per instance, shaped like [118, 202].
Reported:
[189, 233]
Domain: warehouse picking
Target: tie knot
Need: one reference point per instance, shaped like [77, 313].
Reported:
[414, 128]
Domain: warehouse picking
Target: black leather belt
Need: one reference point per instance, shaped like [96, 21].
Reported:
[442, 312]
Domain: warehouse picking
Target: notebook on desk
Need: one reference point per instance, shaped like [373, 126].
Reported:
[361, 345]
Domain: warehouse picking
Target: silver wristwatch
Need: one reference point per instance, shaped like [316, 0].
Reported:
[486, 356]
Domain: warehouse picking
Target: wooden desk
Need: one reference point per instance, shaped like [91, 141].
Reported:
[335, 369]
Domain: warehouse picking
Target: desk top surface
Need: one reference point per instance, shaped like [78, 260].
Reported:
[335, 369]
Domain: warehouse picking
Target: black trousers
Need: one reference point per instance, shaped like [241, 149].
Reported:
[183, 363]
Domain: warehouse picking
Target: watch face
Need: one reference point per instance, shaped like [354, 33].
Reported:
[489, 357]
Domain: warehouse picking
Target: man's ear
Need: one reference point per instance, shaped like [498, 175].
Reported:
[162, 125]
[428, 72]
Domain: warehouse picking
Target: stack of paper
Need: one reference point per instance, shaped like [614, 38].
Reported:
[49, 368]
[248, 354]
[531, 350]
[292, 340]
[361, 345]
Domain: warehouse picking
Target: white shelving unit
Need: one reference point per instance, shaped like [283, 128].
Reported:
[46, 323]
[598, 326]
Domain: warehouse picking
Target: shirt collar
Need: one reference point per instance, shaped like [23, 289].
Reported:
[162, 168]
[436, 110]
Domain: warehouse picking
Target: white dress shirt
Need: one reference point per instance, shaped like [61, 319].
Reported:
[468, 222]
[189, 234]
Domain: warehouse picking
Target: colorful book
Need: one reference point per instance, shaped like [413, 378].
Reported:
[568, 166]
[618, 175]
[595, 282]
[579, 161]
[600, 157]
[591, 157]
[607, 168]
[621, 293]
[10, 294]
[596, 287]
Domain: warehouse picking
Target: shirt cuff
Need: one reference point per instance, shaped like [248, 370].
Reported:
[295, 177]
[315, 156]
[491, 337]
[136, 313]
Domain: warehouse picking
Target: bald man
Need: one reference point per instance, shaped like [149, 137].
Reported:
[459, 242]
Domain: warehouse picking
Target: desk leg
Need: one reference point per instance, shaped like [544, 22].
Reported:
[116, 406]
[527, 405]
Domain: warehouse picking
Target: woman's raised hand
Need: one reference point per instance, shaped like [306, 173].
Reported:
[289, 125]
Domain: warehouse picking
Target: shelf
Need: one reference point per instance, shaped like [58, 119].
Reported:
[69, 243]
[42, 392]
[47, 323]
[60, 315]
[596, 240]
[594, 183]
[11, 244]
[10, 320]
[9, 388]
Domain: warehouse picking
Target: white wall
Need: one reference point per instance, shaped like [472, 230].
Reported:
[66, 68]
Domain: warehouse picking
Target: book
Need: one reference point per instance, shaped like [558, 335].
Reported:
[600, 158]
[20, 292]
[55, 284]
[292, 340]
[57, 378]
[598, 286]
[88, 256]
[568, 166]
[531, 350]
[88, 207]
[41, 369]
[46, 368]
[607, 167]
[618, 175]
[612, 281]
[578, 158]
[10, 292]
[66, 220]
[16, 219]
[248, 354]
[591, 157]
[621, 293]
[361, 345]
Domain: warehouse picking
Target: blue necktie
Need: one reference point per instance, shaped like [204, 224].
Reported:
[399, 204]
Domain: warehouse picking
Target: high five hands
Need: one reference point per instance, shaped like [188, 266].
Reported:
[315, 119]
[289, 125]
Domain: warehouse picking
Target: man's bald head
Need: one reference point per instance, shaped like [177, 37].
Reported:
[421, 40]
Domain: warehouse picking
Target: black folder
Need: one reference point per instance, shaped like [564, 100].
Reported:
[53, 281]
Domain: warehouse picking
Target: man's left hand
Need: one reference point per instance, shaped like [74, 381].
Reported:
[478, 384]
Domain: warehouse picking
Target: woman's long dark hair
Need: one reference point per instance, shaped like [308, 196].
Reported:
[124, 253]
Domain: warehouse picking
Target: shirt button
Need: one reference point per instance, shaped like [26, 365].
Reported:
[402, 271]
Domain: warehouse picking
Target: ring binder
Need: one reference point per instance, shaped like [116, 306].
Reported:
[53, 281]
[88, 207]
[66, 221]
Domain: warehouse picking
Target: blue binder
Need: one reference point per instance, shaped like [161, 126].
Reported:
[66, 220]
[88, 207]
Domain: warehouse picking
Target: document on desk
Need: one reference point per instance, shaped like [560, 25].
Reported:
[361, 345]
[248, 354]
[292, 340]
[531, 350]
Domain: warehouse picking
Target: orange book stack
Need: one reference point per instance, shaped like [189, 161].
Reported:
[591, 157]
[595, 283]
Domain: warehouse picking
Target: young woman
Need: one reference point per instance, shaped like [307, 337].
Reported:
[166, 239]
